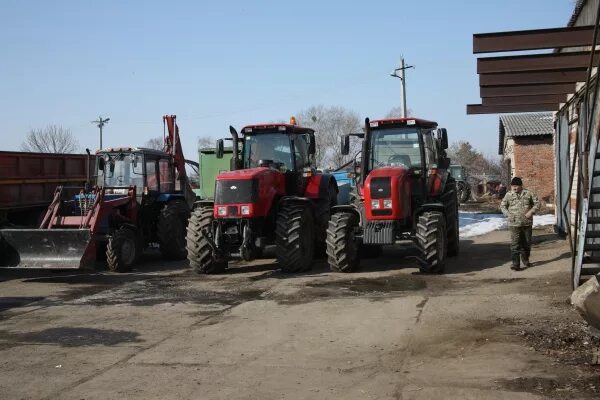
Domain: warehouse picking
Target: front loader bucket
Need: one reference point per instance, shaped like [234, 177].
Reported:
[45, 248]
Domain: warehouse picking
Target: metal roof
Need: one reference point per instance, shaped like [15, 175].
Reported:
[534, 82]
[522, 125]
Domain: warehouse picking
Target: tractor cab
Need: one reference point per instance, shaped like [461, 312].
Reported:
[150, 171]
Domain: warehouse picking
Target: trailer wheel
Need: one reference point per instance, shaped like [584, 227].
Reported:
[431, 240]
[122, 249]
[342, 249]
[171, 229]
[199, 251]
[295, 238]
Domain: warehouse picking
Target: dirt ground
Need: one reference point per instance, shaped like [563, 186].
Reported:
[480, 331]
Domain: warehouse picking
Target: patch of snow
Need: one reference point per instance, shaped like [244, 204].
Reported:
[475, 224]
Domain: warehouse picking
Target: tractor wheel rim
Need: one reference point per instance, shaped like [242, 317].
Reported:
[128, 251]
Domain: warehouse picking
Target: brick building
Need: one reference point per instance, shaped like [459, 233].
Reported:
[526, 146]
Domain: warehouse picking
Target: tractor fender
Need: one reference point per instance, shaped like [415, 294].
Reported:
[318, 186]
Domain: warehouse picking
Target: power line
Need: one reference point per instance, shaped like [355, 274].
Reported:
[100, 124]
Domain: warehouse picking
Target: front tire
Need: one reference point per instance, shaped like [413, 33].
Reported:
[199, 252]
[295, 238]
[431, 240]
[122, 250]
[342, 249]
[171, 230]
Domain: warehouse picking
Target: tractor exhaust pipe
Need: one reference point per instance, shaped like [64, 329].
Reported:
[364, 167]
[236, 139]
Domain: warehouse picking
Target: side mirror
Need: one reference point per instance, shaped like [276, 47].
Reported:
[444, 138]
[101, 163]
[220, 148]
[345, 145]
[312, 144]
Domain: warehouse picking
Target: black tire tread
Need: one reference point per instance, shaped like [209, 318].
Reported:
[427, 236]
[342, 250]
[172, 221]
[199, 252]
[291, 224]
[113, 253]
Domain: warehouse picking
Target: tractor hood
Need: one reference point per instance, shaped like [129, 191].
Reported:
[387, 193]
[244, 174]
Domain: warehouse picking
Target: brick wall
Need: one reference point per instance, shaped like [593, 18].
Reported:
[534, 162]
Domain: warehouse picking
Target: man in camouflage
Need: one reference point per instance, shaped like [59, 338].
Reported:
[519, 205]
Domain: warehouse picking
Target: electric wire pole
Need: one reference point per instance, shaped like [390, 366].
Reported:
[100, 123]
[402, 77]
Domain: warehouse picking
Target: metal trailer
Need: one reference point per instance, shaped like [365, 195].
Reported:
[28, 181]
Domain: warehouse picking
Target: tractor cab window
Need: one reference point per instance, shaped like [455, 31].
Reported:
[167, 181]
[272, 147]
[395, 147]
[430, 149]
[121, 170]
[301, 151]
[151, 177]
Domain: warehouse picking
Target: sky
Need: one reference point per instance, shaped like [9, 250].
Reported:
[221, 63]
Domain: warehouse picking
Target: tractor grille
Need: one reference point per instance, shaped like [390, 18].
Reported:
[381, 188]
[236, 191]
[379, 232]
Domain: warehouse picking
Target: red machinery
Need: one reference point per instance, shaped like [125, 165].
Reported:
[142, 197]
[273, 196]
[404, 193]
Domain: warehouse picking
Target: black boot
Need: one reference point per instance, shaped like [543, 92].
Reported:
[516, 264]
[525, 259]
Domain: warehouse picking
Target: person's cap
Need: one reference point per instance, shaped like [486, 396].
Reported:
[516, 181]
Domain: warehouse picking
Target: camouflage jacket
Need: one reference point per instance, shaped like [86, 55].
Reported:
[515, 206]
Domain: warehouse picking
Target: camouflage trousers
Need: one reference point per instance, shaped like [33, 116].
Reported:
[520, 241]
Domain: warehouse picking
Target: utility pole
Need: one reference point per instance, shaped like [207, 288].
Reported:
[100, 123]
[402, 77]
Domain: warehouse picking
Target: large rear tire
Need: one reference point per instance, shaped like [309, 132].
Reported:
[322, 223]
[199, 252]
[122, 249]
[431, 240]
[171, 229]
[342, 248]
[295, 238]
[452, 224]
[463, 192]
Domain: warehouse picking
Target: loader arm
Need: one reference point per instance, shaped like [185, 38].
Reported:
[173, 147]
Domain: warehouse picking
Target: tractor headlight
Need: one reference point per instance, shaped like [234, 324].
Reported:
[375, 204]
[245, 210]
[221, 211]
[387, 203]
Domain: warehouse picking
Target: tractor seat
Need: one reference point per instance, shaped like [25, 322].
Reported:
[399, 159]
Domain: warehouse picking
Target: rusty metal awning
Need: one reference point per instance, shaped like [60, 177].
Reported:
[531, 82]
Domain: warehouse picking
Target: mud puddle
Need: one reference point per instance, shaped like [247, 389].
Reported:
[72, 337]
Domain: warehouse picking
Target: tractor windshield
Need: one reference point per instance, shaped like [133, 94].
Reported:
[121, 170]
[395, 147]
[268, 146]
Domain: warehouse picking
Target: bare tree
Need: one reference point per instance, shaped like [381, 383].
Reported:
[52, 139]
[156, 143]
[206, 141]
[396, 112]
[330, 123]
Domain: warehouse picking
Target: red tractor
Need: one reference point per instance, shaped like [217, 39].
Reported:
[272, 196]
[404, 192]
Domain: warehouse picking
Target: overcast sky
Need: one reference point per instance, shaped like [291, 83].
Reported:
[216, 63]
